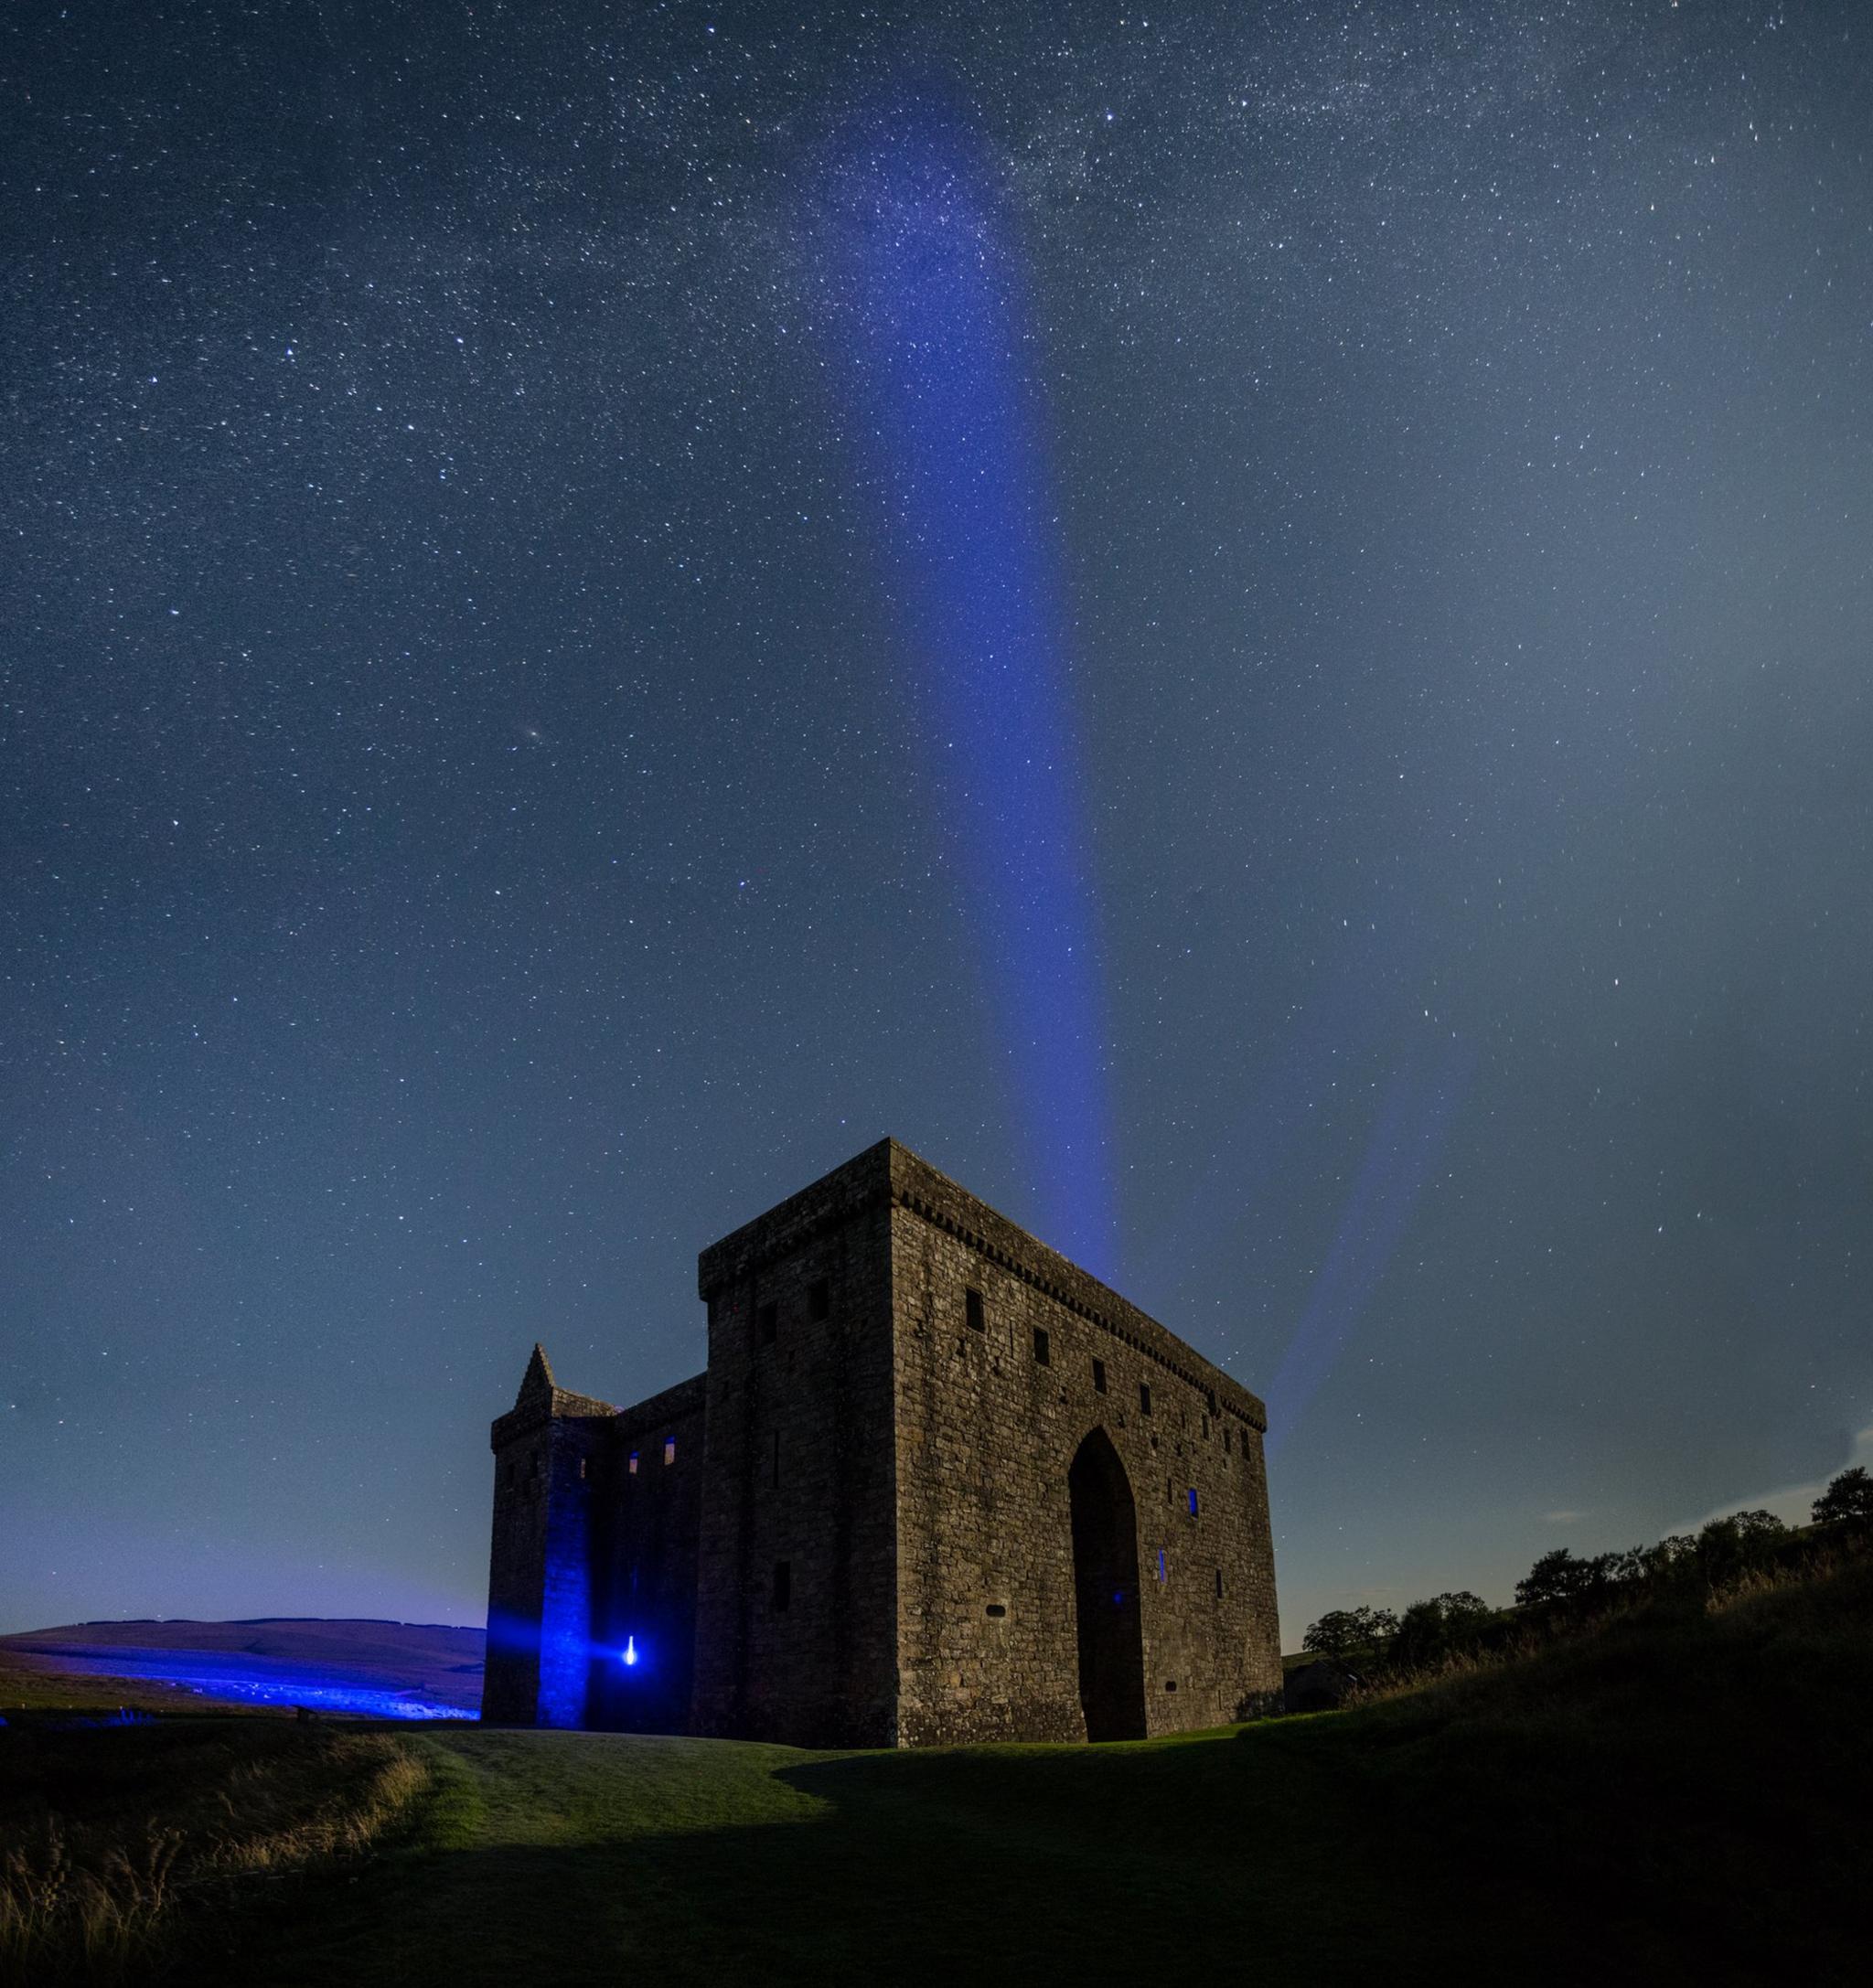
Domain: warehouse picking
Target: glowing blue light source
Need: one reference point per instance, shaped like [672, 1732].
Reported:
[630, 1650]
[923, 310]
[1161, 1562]
[1193, 1501]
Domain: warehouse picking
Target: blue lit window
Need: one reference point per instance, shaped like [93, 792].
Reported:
[670, 1450]
[1193, 1501]
[634, 1463]
[1161, 1562]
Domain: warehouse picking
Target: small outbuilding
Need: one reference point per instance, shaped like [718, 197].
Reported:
[1321, 1685]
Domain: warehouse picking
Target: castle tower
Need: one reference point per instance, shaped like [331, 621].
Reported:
[550, 1451]
[795, 1624]
[959, 1490]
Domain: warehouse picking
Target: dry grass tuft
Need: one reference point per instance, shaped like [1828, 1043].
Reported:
[1772, 1579]
[102, 1889]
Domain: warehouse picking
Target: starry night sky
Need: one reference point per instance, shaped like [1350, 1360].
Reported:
[492, 799]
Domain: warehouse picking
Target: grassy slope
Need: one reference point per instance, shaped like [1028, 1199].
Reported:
[128, 1857]
[693, 1861]
[1680, 1796]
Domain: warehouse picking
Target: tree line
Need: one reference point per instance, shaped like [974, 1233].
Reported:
[1563, 1585]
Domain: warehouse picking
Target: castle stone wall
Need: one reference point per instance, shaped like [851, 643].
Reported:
[645, 1553]
[795, 1588]
[937, 1484]
[516, 1575]
[986, 1435]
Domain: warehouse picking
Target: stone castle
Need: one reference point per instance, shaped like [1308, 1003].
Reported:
[936, 1484]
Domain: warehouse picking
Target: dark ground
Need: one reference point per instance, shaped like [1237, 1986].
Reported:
[1678, 1796]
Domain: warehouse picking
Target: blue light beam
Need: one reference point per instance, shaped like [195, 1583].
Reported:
[929, 348]
[1407, 1138]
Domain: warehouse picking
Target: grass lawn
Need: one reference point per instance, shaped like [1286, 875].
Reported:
[1681, 1796]
[624, 1857]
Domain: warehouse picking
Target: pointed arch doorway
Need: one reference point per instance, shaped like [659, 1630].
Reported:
[1104, 1589]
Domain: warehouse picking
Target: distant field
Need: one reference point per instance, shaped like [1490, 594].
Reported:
[378, 1670]
[39, 1685]
[1679, 1796]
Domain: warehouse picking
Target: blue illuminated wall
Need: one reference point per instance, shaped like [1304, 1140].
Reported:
[565, 1605]
[647, 1554]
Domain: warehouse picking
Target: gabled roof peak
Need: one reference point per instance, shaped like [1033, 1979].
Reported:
[537, 1383]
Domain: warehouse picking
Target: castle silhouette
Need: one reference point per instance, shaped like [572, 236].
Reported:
[935, 1484]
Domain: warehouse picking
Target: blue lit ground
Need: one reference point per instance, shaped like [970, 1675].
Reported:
[261, 1681]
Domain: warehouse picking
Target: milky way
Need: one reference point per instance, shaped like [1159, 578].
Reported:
[473, 833]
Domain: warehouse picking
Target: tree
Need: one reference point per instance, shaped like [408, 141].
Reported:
[1560, 1578]
[1429, 1630]
[1675, 1555]
[1727, 1547]
[1761, 1527]
[1847, 1501]
[1631, 1564]
[1346, 1632]
[1464, 1613]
